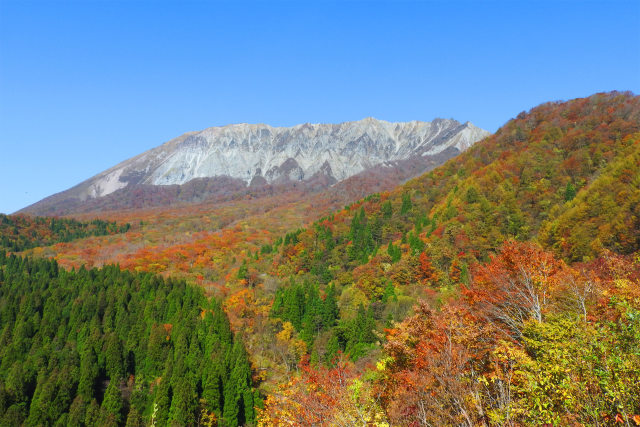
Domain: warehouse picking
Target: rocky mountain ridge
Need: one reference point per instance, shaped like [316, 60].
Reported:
[256, 155]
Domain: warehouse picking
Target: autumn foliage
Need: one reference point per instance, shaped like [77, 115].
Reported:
[322, 397]
[515, 351]
[502, 288]
[20, 232]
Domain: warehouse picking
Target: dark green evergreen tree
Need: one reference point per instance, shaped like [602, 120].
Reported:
[569, 192]
[386, 209]
[183, 404]
[112, 406]
[330, 311]
[406, 204]
[238, 396]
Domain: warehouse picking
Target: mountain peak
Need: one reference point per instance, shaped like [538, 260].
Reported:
[263, 153]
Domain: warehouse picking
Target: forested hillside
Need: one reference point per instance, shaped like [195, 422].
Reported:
[20, 232]
[532, 341]
[109, 347]
[501, 288]
[565, 175]
[522, 179]
[547, 169]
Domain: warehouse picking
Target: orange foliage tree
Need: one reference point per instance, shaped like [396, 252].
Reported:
[322, 397]
[515, 286]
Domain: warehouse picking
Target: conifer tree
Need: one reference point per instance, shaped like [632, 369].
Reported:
[238, 396]
[183, 404]
[330, 310]
[134, 419]
[111, 409]
[569, 192]
[406, 204]
[213, 387]
[113, 357]
[89, 372]
[333, 348]
[387, 210]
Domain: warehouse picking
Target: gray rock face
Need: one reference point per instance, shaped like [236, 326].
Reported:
[248, 151]
[258, 154]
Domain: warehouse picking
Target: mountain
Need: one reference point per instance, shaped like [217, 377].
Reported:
[222, 161]
[506, 277]
[565, 174]
[520, 258]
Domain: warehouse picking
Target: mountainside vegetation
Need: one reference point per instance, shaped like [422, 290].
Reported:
[109, 347]
[565, 176]
[501, 288]
[542, 174]
[510, 186]
[20, 232]
[532, 341]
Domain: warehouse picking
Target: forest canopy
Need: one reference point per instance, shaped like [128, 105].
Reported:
[20, 232]
[111, 347]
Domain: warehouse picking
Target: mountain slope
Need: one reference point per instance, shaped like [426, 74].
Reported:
[101, 346]
[226, 160]
[424, 236]
[606, 214]
[503, 323]
[564, 174]
[20, 232]
[507, 186]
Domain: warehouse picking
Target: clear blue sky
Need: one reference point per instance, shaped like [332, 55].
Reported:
[85, 85]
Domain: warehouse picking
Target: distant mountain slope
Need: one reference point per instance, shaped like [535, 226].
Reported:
[20, 232]
[222, 161]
